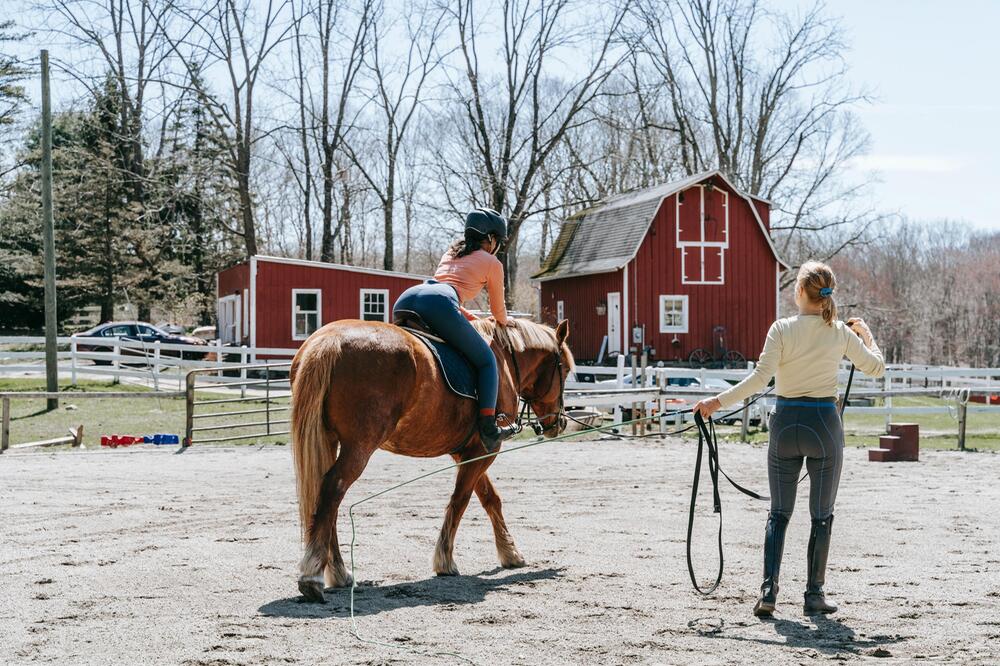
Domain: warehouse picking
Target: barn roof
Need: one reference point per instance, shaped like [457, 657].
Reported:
[586, 244]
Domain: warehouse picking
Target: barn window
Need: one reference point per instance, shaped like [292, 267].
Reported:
[560, 311]
[703, 234]
[375, 304]
[673, 314]
[307, 308]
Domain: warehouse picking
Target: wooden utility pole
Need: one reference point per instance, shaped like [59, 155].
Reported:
[51, 369]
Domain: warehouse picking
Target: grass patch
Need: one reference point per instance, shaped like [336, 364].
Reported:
[125, 416]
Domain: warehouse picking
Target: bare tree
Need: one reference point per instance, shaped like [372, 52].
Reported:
[233, 37]
[512, 119]
[341, 33]
[127, 38]
[398, 82]
[763, 96]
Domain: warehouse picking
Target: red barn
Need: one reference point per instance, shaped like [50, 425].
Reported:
[676, 268]
[273, 302]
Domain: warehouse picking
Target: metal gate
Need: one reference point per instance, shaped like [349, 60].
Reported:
[263, 389]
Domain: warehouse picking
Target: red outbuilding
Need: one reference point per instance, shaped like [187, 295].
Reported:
[686, 270]
[272, 302]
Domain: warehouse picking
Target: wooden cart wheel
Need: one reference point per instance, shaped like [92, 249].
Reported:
[699, 358]
[734, 359]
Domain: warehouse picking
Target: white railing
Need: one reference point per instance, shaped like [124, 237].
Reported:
[621, 387]
[157, 362]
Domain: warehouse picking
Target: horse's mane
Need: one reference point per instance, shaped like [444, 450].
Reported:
[524, 335]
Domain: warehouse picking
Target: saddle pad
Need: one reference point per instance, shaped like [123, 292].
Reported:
[458, 373]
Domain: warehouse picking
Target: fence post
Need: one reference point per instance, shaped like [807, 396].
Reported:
[243, 371]
[267, 397]
[116, 359]
[963, 415]
[5, 429]
[887, 385]
[635, 406]
[156, 365]
[189, 409]
[72, 360]
[621, 371]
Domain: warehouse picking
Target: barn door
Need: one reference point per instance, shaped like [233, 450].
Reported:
[614, 322]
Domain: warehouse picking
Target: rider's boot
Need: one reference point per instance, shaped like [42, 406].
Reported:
[819, 547]
[491, 434]
[774, 544]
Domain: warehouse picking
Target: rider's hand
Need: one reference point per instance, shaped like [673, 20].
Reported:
[707, 407]
[858, 325]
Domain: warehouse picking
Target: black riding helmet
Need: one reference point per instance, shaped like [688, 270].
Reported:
[483, 222]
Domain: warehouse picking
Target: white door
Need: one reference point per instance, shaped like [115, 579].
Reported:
[614, 322]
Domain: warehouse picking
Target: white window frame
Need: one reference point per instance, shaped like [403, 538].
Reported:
[295, 310]
[384, 293]
[685, 313]
[560, 311]
[700, 245]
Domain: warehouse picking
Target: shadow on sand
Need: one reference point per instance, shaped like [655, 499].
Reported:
[372, 599]
[822, 633]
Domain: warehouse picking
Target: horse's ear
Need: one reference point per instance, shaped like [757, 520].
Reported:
[562, 331]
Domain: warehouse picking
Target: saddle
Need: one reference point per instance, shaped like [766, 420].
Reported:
[458, 373]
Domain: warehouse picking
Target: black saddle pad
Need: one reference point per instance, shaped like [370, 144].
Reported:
[458, 373]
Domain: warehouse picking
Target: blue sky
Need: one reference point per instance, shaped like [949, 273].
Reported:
[934, 68]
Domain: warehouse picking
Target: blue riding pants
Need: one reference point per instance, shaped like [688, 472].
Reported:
[437, 304]
[809, 429]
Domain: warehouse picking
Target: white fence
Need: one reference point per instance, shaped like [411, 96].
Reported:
[621, 387]
[161, 364]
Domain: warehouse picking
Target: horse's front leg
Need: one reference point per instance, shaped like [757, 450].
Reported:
[468, 475]
[507, 552]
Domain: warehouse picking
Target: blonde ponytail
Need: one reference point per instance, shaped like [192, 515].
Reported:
[818, 283]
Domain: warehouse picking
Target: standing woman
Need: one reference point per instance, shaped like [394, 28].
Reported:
[803, 353]
[469, 265]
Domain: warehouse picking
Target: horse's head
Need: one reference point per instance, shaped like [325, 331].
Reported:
[544, 380]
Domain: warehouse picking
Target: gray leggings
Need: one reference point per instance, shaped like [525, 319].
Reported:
[807, 428]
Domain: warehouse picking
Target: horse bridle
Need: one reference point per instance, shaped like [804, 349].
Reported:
[523, 416]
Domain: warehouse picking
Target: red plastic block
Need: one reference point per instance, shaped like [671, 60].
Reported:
[881, 455]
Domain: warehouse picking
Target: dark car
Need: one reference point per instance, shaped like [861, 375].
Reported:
[139, 331]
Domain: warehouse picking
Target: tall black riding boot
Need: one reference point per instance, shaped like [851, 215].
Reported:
[774, 544]
[491, 434]
[819, 548]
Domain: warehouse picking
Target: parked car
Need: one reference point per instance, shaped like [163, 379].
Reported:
[139, 331]
[172, 329]
[206, 333]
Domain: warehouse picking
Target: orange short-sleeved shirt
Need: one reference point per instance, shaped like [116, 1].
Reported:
[469, 274]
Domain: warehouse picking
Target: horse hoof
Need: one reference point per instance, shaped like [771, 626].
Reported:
[312, 589]
[513, 563]
[338, 578]
[448, 571]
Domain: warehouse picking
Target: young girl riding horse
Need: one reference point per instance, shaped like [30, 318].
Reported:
[469, 265]
[803, 353]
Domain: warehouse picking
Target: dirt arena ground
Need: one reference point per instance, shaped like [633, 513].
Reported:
[147, 557]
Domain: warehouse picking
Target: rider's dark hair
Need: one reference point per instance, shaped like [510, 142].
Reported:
[463, 247]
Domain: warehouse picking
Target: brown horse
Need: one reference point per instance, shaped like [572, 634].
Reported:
[359, 386]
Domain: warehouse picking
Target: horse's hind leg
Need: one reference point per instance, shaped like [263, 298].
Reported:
[322, 562]
[506, 550]
[468, 475]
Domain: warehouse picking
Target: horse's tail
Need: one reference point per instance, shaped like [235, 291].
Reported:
[314, 446]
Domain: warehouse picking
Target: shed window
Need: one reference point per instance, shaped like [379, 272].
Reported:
[673, 314]
[307, 308]
[375, 304]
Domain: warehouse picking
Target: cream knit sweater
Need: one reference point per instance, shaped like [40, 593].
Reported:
[803, 354]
